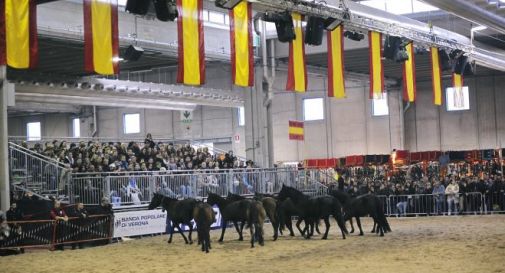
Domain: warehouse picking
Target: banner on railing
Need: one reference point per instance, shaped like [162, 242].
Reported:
[143, 222]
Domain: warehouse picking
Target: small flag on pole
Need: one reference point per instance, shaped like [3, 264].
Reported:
[296, 130]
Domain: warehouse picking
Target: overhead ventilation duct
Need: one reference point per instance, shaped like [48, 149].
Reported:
[471, 12]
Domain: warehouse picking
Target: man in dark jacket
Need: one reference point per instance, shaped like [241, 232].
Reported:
[82, 214]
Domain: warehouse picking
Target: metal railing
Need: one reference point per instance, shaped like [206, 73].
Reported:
[441, 204]
[137, 189]
[35, 172]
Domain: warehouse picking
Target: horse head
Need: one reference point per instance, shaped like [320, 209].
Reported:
[156, 201]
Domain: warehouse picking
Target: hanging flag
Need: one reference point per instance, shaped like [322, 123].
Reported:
[336, 82]
[436, 76]
[101, 37]
[376, 67]
[296, 130]
[242, 59]
[457, 80]
[191, 68]
[409, 75]
[297, 72]
[18, 33]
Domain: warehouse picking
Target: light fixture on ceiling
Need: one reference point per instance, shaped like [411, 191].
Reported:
[331, 24]
[353, 35]
[227, 4]
[283, 24]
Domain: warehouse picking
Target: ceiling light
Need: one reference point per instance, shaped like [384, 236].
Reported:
[479, 28]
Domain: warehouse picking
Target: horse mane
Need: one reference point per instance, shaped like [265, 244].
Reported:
[294, 193]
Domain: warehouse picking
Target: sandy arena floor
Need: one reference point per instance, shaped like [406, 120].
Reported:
[441, 244]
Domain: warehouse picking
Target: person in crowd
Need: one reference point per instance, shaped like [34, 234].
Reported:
[59, 214]
[81, 214]
[452, 193]
[438, 195]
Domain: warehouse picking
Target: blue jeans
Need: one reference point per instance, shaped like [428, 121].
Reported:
[402, 208]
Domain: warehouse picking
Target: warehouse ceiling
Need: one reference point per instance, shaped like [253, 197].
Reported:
[63, 57]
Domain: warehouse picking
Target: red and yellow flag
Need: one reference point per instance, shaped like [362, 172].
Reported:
[457, 80]
[242, 58]
[191, 68]
[296, 130]
[18, 33]
[297, 71]
[436, 76]
[409, 75]
[101, 37]
[376, 67]
[336, 81]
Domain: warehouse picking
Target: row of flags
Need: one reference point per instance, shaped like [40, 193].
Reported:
[19, 49]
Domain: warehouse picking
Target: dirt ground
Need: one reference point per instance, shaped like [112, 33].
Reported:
[438, 244]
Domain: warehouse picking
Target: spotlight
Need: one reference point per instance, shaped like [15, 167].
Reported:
[227, 4]
[314, 31]
[355, 36]
[133, 53]
[139, 7]
[283, 24]
[166, 10]
[331, 24]
[394, 49]
[461, 63]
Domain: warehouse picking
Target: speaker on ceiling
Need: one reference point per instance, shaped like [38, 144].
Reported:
[314, 31]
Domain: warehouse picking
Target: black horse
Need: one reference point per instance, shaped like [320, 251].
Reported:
[204, 217]
[363, 205]
[311, 209]
[249, 211]
[179, 212]
[269, 204]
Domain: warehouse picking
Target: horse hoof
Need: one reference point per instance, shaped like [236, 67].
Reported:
[262, 244]
[190, 242]
[324, 238]
[352, 231]
[361, 234]
[220, 240]
[169, 242]
[240, 239]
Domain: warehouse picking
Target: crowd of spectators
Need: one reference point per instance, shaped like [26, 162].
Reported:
[454, 188]
[97, 157]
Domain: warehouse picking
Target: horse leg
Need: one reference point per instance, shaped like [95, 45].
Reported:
[341, 224]
[171, 233]
[374, 226]
[251, 231]
[289, 225]
[275, 225]
[182, 234]
[190, 232]
[306, 230]
[238, 229]
[327, 224]
[298, 222]
[241, 238]
[317, 227]
[222, 231]
[358, 222]
[352, 226]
